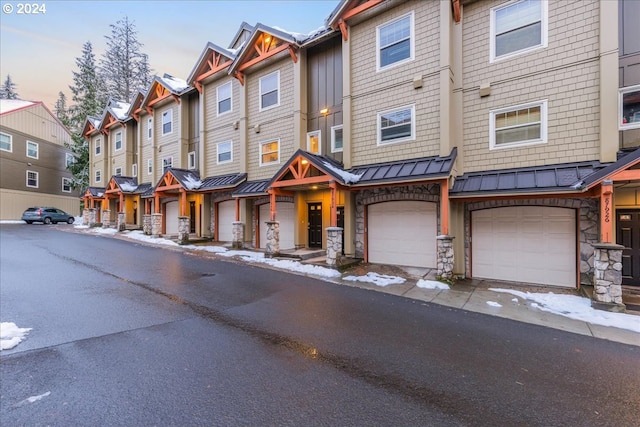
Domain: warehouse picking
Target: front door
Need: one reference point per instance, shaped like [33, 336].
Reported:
[315, 225]
[628, 235]
[341, 224]
[192, 217]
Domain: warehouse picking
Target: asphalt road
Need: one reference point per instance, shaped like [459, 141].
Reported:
[128, 334]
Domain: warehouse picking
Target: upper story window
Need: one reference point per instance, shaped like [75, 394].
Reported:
[69, 159]
[224, 98]
[98, 175]
[134, 170]
[66, 185]
[269, 152]
[98, 146]
[519, 125]
[6, 142]
[191, 160]
[313, 142]
[167, 122]
[150, 128]
[394, 42]
[32, 149]
[397, 125]
[518, 27]
[336, 139]
[630, 107]
[270, 90]
[149, 167]
[118, 141]
[225, 154]
[118, 172]
[32, 179]
[167, 162]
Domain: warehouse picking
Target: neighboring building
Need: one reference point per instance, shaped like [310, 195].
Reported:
[33, 160]
[485, 139]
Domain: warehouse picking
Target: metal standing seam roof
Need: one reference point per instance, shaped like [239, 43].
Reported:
[127, 184]
[222, 181]
[252, 188]
[96, 191]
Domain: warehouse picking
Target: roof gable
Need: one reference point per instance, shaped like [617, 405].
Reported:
[121, 184]
[347, 9]
[243, 33]
[304, 168]
[179, 179]
[162, 88]
[212, 60]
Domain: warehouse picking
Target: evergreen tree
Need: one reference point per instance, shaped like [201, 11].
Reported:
[61, 110]
[124, 67]
[8, 90]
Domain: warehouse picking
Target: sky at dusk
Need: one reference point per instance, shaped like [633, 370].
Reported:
[39, 50]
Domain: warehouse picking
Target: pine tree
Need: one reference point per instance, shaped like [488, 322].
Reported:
[8, 90]
[61, 110]
[123, 66]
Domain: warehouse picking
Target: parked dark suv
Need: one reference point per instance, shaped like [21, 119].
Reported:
[46, 215]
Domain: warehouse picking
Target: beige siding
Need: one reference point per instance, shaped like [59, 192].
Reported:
[119, 158]
[98, 162]
[39, 122]
[171, 139]
[566, 74]
[275, 123]
[376, 91]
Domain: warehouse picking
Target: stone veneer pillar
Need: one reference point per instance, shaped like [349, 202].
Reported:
[273, 238]
[607, 277]
[334, 245]
[238, 235]
[146, 224]
[106, 218]
[445, 257]
[85, 216]
[183, 230]
[91, 217]
[121, 225]
[156, 224]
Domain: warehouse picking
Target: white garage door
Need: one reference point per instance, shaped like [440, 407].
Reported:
[402, 233]
[531, 244]
[226, 217]
[286, 216]
[171, 210]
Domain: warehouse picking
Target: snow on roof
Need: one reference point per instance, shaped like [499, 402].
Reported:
[128, 187]
[191, 183]
[298, 36]
[175, 84]
[347, 177]
[7, 105]
[120, 110]
[95, 121]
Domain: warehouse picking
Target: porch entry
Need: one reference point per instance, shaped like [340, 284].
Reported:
[628, 235]
[315, 225]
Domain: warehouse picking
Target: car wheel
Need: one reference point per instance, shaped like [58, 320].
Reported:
[70, 220]
[29, 222]
[47, 220]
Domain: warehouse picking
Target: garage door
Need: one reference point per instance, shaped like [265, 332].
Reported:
[285, 215]
[402, 233]
[171, 217]
[531, 244]
[226, 217]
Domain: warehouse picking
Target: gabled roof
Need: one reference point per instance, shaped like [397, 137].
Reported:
[11, 105]
[252, 188]
[144, 188]
[625, 162]
[304, 168]
[212, 60]
[162, 88]
[189, 179]
[114, 112]
[91, 125]
[135, 109]
[347, 9]
[223, 181]
[236, 42]
[95, 192]
[124, 184]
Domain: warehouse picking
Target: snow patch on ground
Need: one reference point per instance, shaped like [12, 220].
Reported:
[431, 284]
[11, 335]
[376, 279]
[494, 304]
[576, 307]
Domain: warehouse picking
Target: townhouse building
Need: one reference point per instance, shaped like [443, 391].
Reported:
[490, 139]
[34, 160]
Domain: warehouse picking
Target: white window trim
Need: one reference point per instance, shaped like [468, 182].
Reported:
[70, 182]
[277, 104]
[134, 170]
[230, 152]
[37, 179]
[170, 160]
[98, 147]
[97, 175]
[622, 91]
[169, 114]
[149, 128]
[268, 141]
[411, 42]
[117, 171]
[412, 137]
[543, 30]
[333, 139]
[149, 166]
[10, 150]
[115, 141]
[191, 160]
[309, 135]
[218, 113]
[37, 156]
[543, 126]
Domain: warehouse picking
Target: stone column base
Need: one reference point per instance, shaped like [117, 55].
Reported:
[273, 239]
[106, 218]
[156, 224]
[121, 225]
[445, 259]
[91, 217]
[607, 277]
[146, 224]
[334, 245]
[183, 230]
[238, 235]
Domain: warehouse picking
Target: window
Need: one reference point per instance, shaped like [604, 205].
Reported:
[6, 143]
[69, 159]
[269, 152]
[150, 128]
[134, 170]
[167, 122]
[98, 146]
[32, 179]
[192, 159]
[396, 125]
[118, 141]
[167, 162]
[394, 42]
[518, 27]
[630, 107]
[224, 98]
[519, 125]
[32, 149]
[149, 167]
[270, 90]
[313, 142]
[336, 139]
[118, 172]
[98, 175]
[225, 154]
[66, 185]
